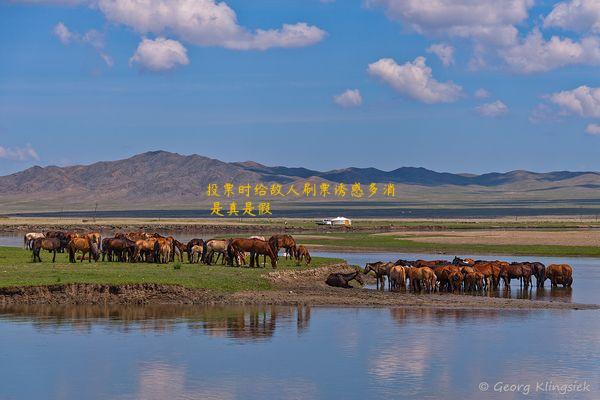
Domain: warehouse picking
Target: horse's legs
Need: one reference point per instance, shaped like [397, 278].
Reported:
[54, 256]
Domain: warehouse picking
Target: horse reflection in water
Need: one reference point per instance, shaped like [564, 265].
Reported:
[540, 293]
[236, 322]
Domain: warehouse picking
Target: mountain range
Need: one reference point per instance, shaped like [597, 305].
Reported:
[164, 179]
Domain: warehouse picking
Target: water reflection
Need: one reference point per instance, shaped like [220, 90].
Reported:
[184, 352]
[236, 322]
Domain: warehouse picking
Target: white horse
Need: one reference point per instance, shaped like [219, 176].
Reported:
[30, 237]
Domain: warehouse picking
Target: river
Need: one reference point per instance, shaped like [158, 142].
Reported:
[177, 352]
[184, 352]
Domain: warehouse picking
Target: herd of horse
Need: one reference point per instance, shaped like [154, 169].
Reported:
[459, 275]
[141, 246]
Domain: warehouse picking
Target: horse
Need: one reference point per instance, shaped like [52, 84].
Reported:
[286, 242]
[342, 280]
[163, 249]
[302, 253]
[60, 235]
[178, 249]
[50, 244]
[123, 248]
[28, 239]
[85, 245]
[560, 274]
[255, 247]
[397, 277]
[539, 271]
[213, 246]
[144, 250]
[381, 270]
[195, 254]
[190, 245]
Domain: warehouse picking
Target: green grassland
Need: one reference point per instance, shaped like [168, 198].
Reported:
[400, 243]
[17, 269]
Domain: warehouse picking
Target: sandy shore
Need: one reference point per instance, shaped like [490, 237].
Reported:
[302, 287]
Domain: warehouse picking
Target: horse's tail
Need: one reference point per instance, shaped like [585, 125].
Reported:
[231, 252]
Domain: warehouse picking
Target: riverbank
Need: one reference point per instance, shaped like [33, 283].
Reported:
[23, 282]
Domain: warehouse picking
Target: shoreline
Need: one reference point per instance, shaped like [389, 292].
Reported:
[160, 294]
[288, 288]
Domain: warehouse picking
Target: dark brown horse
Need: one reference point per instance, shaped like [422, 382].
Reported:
[286, 242]
[342, 280]
[255, 247]
[122, 248]
[51, 244]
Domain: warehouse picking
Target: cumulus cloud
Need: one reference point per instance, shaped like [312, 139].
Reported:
[415, 80]
[349, 98]
[91, 38]
[593, 129]
[444, 52]
[583, 101]
[489, 21]
[205, 23]
[482, 94]
[575, 15]
[535, 54]
[159, 55]
[19, 153]
[495, 109]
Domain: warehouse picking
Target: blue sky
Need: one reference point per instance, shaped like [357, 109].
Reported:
[513, 87]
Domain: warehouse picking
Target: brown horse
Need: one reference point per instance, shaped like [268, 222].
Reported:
[286, 242]
[560, 274]
[255, 247]
[397, 277]
[443, 274]
[51, 244]
[302, 253]
[163, 249]
[144, 250]
[381, 270]
[86, 246]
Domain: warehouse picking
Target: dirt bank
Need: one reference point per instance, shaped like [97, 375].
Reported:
[291, 288]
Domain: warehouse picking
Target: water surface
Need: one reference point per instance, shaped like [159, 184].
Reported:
[173, 352]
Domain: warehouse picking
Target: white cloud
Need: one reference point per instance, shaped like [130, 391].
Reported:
[205, 23]
[575, 15]
[593, 129]
[63, 33]
[444, 52]
[489, 21]
[92, 38]
[495, 109]
[535, 54]
[349, 98]
[160, 54]
[19, 153]
[582, 101]
[415, 80]
[482, 94]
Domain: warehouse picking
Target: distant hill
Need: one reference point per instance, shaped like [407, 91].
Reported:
[164, 179]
